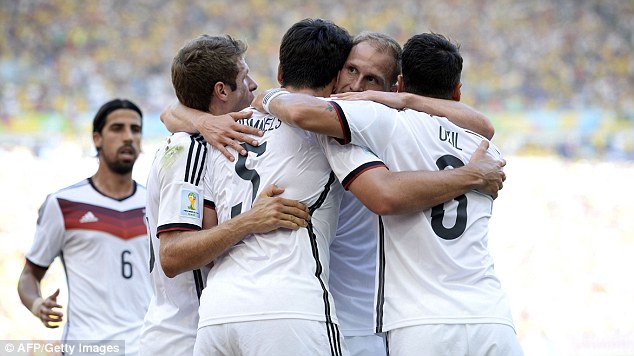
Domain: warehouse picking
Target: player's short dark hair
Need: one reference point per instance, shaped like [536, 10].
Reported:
[383, 44]
[432, 65]
[201, 63]
[100, 117]
[312, 53]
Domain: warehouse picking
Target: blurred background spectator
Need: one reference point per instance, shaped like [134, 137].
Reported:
[555, 75]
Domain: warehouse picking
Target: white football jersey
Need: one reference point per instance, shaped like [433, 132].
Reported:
[174, 203]
[352, 266]
[284, 273]
[434, 266]
[102, 243]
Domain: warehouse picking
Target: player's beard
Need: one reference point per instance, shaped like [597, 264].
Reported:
[121, 168]
[117, 166]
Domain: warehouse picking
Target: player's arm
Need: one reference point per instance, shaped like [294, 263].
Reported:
[219, 131]
[301, 110]
[459, 113]
[385, 192]
[47, 310]
[184, 251]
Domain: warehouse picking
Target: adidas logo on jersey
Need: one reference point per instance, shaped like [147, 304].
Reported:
[88, 217]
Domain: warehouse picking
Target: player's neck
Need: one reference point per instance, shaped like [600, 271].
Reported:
[321, 92]
[113, 185]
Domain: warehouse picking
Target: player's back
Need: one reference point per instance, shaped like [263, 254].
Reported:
[447, 260]
[353, 265]
[284, 273]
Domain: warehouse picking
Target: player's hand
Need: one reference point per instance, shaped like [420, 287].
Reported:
[272, 212]
[391, 99]
[224, 130]
[490, 170]
[47, 311]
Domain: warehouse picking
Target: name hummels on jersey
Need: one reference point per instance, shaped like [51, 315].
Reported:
[264, 123]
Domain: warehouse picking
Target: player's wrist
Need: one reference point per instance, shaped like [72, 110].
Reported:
[272, 94]
[35, 307]
[473, 176]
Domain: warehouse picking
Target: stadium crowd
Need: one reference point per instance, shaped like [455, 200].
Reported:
[66, 56]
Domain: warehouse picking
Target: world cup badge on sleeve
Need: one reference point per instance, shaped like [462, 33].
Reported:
[190, 204]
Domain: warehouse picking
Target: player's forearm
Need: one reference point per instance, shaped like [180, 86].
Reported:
[424, 190]
[194, 249]
[459, 113]
[28, 289]
[308, 113]
[410, 192]
[179, 118]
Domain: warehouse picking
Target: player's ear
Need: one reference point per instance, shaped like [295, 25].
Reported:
[456, 92]
[399, 83]
[96, 139]
[279, 74]
[220, 91]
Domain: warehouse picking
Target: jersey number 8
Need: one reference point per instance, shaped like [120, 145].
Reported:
[438, 212]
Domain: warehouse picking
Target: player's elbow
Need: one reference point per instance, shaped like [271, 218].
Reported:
[169, 269]
[489, 131]
[486, 128]
[169, 263]
[382, 205]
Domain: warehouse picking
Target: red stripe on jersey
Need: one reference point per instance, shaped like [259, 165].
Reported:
[358, 171]
[176, 227]
[122, 224]
[209, 204]
[345, 129]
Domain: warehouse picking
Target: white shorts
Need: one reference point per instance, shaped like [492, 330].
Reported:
[454, 340]
[280, 337]
[367, 345]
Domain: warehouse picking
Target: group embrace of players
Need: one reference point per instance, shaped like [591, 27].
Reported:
[303, 225]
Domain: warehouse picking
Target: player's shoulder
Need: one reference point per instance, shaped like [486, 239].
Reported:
[71, 192]
[179, 138]
[181, 146]
[493, 149]
[364, 105]
[82, 184]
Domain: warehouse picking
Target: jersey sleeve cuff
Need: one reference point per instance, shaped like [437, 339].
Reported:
[41, 265]
[176, 227]
[359, 170]
[345, 128]
[209, 204]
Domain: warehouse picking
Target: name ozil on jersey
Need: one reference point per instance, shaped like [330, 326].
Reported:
[450, 137]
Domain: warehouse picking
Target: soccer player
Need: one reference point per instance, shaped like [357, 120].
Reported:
[180, 254]
[268, 295]
[373, 63]
[437, 292]
[96, 227]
